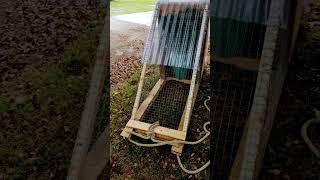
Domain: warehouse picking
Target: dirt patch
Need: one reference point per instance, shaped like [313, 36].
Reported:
[126, 49]
[35, 32]
[47, 48]
[124, 61]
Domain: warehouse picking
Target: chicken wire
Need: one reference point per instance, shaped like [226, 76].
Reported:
[168, 107]
[232, 96]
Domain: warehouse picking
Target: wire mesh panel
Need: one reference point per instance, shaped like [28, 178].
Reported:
[152, 76]
[232, 95]
[168, 107]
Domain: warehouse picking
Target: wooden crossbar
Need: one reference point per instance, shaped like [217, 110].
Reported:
[163, 132]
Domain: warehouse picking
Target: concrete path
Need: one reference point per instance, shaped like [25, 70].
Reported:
[143, 18]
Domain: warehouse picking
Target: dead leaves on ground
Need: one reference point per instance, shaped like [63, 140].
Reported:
[37, 32]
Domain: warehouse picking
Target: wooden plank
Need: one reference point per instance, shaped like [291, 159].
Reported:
[98, 157]
[204, 26]
[190, 103]
[91, 106]
[206, 50]
[126, 132]
[185, 81]
[151, 97]
[193, 85]
[298, 14]
[157, 136]
[162, 72]
[139, 91]
[177, 149]
[257, 117]
[245, 63]
[163, 131]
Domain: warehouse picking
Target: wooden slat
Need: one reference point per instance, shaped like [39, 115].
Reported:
[91, 106]
[185, 81]
[194, 86]
[206, 50]
[177, 149]
[162, 72]
[151, 97]
[163, 131]
[157, 136]
[139, 91]
[204, 26]
[245, 63]
[98, 157]
[298, 14]
[126, 133]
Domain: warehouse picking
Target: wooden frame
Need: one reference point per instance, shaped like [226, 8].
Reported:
[163, 133]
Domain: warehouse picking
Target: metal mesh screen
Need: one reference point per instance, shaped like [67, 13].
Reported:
[168, 107]
[232, 95]
[152, 76]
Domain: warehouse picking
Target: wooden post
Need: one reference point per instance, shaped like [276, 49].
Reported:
[88, 117]
[251, 142]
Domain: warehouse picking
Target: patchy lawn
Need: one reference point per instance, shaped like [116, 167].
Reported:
[118, 7]
[40, 107]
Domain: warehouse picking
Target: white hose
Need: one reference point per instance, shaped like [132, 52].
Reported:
[305, 136]
[194, 171]
[150, 135]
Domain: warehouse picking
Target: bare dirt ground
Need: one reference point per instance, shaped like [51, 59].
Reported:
[47, 47]
[126, 48]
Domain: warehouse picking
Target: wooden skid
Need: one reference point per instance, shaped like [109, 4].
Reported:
[160, 132]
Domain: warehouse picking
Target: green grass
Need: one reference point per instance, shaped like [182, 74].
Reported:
[130, 6]
[122, 100]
